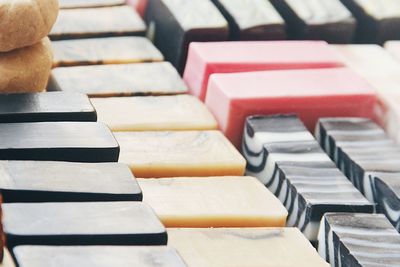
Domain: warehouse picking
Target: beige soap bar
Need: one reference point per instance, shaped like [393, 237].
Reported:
[213, 202]
[179, 153]
[154, 113]
[245, 247]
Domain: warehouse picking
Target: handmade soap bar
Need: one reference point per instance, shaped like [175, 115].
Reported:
[154, 113]
[97, 256]
[37, 107]
[327, 20]
[177, 23]
[40, 181]
[179, 153]
[285, 157]
[250, 247]
[61, 141]
[309, 93]
[347, 239]
[219, 201]
[64, 4]
[205, 59]
[112, 50]
[90, 223]
[394, 48]
[97, 22]
[158, 78]
[252, 19]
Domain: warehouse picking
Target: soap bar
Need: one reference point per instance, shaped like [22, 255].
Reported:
[394, 48]
[97, 22]
[154, 113]
[158, 78]
[309, 93]
[219, 201]
[285, 157]
[177, 23]
[39, 107]
[112, 50]
[90, 223]
[179, 153]
[205, 59]
[7, 260]
[252, 19]
[40, 181]
[250, 247]
[97, 256]
[327, 20]
[60, 141]
[65, 4]
[347, 239]
[139, 5]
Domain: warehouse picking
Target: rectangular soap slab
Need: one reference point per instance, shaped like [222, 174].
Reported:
[205, 59]
[66, 4]
[90, 223]
[97, 256]
[41, 107]
[310, 94]
[252, 20]
[40, 181]
[347, 239]
[179, 22]
[327, 20]
[250, 247]
[219, 201]
[59, 141]
[179, 153]
[157, 78]
[97, 22]
[154, 113]
[111, 50]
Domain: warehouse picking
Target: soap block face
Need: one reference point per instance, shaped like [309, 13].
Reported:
[158, 113]
[177, 23]
[100, 256]
[179, 153]
[330, 93]
[329, 20]
[394, 48]
[59, 141]
[285, 157]
[112, 50]
[158, 78]
[252, 20]
[97, 22]
[348, 239]
[205, 59]
[139, 5]
[40, 181]
[225, 202]
[90, 223]
[250, 247]
[66, 4]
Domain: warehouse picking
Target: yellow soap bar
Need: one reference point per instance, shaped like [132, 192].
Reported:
[154, 113]
[213, 202]
[245, 247]
[179, 153]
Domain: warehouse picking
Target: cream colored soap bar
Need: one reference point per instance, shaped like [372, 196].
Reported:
[7, 260]
[213, 202]
[180, 153]
[245, 247]
[154, 113]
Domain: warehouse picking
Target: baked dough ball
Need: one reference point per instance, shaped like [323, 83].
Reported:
[25, 22]
[27, 69]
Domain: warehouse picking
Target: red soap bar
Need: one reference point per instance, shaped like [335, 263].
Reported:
[205, 59]
[310, 94]
[139, 5]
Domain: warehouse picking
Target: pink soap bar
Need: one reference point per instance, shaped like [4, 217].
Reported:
[394, 48]
[139, 5]
[205, 59]
[311, 94]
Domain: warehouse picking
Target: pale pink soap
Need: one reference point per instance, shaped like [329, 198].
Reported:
[311, 94]
[139, 5]
[205, 59]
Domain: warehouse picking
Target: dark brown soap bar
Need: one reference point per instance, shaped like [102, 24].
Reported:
[327, 20]
[40, 107]
[64, 4]
[89, 223]
[58, 141]
[97, 22]
[50, 181]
